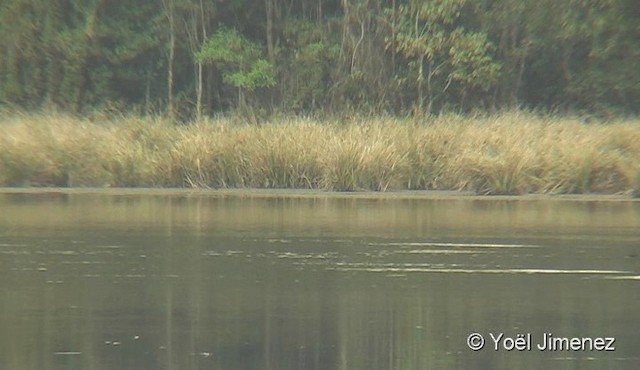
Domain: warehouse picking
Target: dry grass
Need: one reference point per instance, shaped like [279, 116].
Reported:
[510, 153]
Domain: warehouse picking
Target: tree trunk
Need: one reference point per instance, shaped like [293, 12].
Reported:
[199, 93]
[269, 9]
[169, 9]
[429, 88]
[147, 93]
[200, 85]
[345, 27]
[394, 34]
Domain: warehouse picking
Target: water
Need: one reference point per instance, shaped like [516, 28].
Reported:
[163, 280]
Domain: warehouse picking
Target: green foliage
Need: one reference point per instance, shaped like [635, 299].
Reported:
[239, 60]
[391, 56]
[76, 55]
[440, 51]
[259, 74]
[306, 65]
[612, 38]
[470, 60]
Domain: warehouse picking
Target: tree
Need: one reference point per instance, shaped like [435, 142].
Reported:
[509, 24]
[361, 80]
[76, 55]
[329, 55]
[240, 61]
[440, 51]
[603, 68]
[196, 24]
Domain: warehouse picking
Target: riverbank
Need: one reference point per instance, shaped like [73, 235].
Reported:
[511, 153]
[53, 192]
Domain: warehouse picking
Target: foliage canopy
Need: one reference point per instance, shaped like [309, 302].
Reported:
[321, 55]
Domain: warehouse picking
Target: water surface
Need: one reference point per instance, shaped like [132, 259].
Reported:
[110, 280]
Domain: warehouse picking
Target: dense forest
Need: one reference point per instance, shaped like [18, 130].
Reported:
[188, 58]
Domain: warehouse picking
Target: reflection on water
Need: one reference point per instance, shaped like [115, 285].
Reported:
[108, 281]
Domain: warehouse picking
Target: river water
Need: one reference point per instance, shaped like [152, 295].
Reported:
[206, 280]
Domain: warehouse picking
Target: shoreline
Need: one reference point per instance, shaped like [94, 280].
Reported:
[315, 194]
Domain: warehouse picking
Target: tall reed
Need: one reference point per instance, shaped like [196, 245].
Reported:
[509, 153]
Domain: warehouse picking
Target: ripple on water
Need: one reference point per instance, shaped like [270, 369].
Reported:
[626, 277]
[14, 252]
[406, 269]
[454, 245]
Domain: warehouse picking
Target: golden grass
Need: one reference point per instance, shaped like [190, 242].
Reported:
[509, 153]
